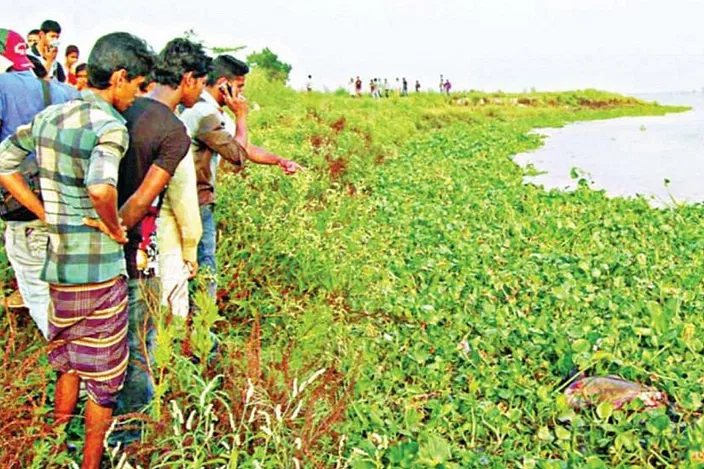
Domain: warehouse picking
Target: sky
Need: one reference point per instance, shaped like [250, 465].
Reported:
[626, 46]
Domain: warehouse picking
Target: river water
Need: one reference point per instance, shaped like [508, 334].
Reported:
[629, 156]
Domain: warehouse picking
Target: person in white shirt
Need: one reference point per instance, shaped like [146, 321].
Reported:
[215, 135]
[178, 233]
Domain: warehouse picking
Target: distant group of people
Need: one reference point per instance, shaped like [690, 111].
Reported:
[379, 88]
[445, 85]
[115, 179]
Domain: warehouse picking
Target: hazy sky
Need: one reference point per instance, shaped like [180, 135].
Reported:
[618, 45]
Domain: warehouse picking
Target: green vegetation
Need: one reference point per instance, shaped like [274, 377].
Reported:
[408, 302]
[267, 61]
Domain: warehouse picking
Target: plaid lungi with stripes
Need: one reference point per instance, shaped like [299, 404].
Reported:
[88, 335]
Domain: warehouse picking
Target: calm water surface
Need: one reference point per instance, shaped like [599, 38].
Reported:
[631, 155]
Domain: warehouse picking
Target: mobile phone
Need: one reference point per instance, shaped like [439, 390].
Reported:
[226, 88]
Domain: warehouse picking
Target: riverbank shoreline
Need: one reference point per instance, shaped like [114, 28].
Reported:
[654, 157]
[408, 302]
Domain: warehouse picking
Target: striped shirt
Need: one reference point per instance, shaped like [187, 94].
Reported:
[78, 144]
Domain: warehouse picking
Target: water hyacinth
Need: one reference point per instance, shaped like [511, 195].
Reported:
[325, 281]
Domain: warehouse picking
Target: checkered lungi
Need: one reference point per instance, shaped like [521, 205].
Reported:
[88, 335]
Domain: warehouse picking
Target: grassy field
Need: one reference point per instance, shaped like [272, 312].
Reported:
[408, 302]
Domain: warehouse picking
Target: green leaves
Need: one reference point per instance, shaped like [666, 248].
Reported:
[456, 301]
[604, 410]
[434, 452]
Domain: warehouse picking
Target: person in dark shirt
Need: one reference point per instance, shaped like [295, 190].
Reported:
[158, 143]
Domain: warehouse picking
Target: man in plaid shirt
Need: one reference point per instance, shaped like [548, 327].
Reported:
[79, 146]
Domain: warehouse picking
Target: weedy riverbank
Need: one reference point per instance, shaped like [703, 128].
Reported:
[408, 302]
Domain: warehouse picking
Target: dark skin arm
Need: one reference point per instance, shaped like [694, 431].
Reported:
[16, 185]
[104, 200]
[137, 205]
[239, 107]
[262, 156]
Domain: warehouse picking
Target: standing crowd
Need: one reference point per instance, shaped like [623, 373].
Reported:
[379, 88]
[108, 173]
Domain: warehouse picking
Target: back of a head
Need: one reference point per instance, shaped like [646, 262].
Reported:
[118, 51]
[180, 56]
[228, 67]
[50, 26]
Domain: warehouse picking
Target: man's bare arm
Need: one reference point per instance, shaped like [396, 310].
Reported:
[104, 200]
[14, 150]
[17, 186]
[261, 156]
[136, 207]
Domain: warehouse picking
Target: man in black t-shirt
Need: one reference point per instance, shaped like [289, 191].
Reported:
[158, 143]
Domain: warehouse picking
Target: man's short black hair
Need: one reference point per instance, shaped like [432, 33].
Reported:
[118, 51]
[72, 50]
[226, 66]
[50, 26]
[179, 57]
[34, 31]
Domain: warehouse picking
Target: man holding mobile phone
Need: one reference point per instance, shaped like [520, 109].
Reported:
[213, 135]
[47, 50]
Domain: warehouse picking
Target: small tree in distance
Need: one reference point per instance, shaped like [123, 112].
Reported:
[192, 35]
[269, 62]
[266, 60]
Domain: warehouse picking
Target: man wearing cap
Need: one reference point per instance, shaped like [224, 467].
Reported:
[21, 98]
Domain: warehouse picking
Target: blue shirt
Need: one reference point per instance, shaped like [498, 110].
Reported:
[22, 98]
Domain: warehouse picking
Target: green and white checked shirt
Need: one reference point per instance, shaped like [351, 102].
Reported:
[78, 144]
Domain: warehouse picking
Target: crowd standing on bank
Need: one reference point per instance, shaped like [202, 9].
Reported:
[108, 172]
[379, 88]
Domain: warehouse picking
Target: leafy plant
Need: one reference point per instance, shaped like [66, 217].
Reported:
[269, 62]
[447, 302]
